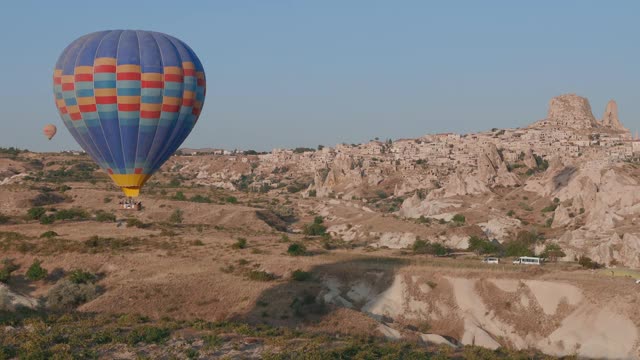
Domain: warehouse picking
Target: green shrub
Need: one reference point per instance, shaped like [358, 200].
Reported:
[550, 208]
[47, 219]
[260, 275]
[176, 216]
[36, 271]
[103, 216]
[35, 213]
[179, 196]
[67, 295]
[299, 275]
[458, 218]
[297, 249]
[47, 198]
[107, 199]
[525, 206]
[231, 199]
[587, 263]
[79, 276]
[423, 247]
[149, 335]
[241, 243]
[312, 193]
[200, 199]
[71, 214]
[549, 222]
[133, 222]
[48, 234]
[316, 228]
[510, 213]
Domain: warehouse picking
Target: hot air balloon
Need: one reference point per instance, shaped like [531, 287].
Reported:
[49, 131]
[129, 98]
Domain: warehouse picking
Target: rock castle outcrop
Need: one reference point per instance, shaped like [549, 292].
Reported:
[571, 111]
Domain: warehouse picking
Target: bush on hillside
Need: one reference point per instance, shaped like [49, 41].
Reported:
[316, 228]
[297, 249]
[36, 271]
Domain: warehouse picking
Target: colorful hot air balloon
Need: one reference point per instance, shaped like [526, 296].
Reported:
[129, 98]
[49, 131]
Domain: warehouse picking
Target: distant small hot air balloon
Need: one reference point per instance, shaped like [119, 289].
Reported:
[49, 131]
[129, 98]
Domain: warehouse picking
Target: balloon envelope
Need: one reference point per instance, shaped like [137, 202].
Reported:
[49, 131]
[129, 98]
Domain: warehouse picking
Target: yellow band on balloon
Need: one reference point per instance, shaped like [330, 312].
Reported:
[130, 183]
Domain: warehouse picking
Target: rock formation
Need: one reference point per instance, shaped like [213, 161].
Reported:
[571, 111]
[492, 170]
[610, 118]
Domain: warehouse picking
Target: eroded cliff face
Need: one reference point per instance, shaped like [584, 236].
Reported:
[557, 317]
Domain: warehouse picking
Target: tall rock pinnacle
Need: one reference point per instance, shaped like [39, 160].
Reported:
[610, 118]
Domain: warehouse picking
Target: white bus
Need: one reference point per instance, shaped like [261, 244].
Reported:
[528, 260]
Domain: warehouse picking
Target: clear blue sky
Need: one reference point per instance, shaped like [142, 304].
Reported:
[303, 73]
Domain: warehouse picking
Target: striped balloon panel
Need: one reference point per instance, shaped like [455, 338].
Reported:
[130, 98]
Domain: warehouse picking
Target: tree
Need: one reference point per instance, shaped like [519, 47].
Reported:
[482, 246]
[553, 252]
[518, 248]
[422, 247]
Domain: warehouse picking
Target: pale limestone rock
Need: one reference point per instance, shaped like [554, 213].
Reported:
[10, 300]
[499, 227]
[436, 339]
[571, 111]
[529, 159]
[414, 207]
[610, 118]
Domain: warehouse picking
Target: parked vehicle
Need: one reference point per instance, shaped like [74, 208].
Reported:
[491, 260]
[528, 260]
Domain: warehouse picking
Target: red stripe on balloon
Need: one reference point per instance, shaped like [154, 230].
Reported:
[75, 116]
[189, 72]
[149, 114]
[84, 77]
[153, 84]
[128, 76]
[173, 77]
[106, 100]
[104, 68]
[170, 108]
[87, 108]
[128, 107]
[68, 86]
[187, 102]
